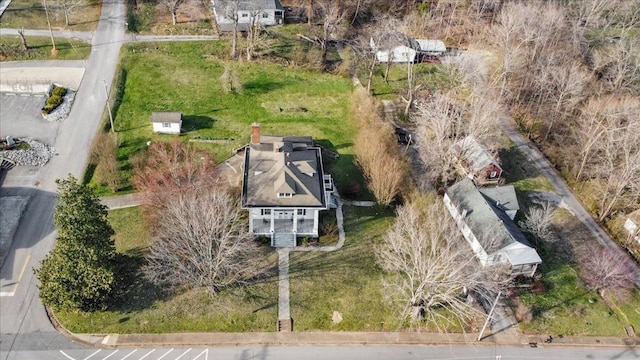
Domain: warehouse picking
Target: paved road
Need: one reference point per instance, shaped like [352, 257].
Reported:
[337, 353]
[25, 325]
[560, 187]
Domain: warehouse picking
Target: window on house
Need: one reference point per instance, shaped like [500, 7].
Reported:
[285, 195]
[166, 125]
[265, 15]
[493, 174]
[302, 212]
[245, 15]
[265, 212]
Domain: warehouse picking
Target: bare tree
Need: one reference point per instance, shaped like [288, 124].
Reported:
[609, 150]
[537, 223]
[67, 8]
[333, 14]
[443, 120]
[608, 269]
[201, 241]
[168, 170]
[429, 266]
[376, 151]
[23, 40]
[173, 6]
[229, 79]
[618, 64]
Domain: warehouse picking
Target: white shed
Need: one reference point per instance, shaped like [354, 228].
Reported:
[166, 122]
[432, 47]
[397, 54]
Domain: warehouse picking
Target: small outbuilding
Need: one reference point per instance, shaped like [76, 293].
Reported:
[166, 122]
[632, 225]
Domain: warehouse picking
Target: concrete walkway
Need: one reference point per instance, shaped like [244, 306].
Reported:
[121, 201]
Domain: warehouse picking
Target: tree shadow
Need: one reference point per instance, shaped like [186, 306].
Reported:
[134, 292]
[196, 122]
[261, 86]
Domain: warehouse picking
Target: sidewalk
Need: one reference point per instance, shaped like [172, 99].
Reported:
[341, 338]
[122, 201]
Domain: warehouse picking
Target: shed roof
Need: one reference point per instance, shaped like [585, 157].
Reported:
[474, 154]
[166, 117]
[250, 4]
[491, 226]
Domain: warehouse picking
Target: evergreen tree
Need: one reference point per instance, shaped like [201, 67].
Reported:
[79, 273]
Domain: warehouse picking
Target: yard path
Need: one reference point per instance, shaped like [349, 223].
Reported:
[284, 305]
[86, 36]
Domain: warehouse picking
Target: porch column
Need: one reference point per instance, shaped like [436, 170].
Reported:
[272, 221]
[315, 221]
[295, 221]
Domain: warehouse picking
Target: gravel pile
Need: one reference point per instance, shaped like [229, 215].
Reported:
[63, 110]
[37, 155]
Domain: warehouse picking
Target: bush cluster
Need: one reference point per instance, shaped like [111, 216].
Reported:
[53, 101]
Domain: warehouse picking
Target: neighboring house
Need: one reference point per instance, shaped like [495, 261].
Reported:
[399, 48]
[263, 12]
[632, 225]
[489, 229]
[284, 187]
[475, 161]
[166, 122]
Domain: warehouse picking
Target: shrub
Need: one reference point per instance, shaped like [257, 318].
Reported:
[59, 91]
[54, 100]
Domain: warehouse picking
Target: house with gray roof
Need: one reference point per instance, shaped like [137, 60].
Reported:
[284, 187]
[474, 160]
[395, 47]
[489, 229]
[166, 122]
[247, 12]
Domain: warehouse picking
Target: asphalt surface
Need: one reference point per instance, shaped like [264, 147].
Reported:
[24, 324]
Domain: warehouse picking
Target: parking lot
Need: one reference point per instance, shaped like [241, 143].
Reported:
[136, 354]
[20, 117]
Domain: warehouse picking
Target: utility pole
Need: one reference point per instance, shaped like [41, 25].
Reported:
[54, 51]
[490, 314]
[106, 94]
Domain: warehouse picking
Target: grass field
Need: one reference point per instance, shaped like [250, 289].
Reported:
[347, 280]
[40, 49]
[185, 77]
[143, 308]
[30, 14]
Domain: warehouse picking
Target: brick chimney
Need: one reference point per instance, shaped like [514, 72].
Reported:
[255, 133]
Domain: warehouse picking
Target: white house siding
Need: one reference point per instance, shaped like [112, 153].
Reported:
[632, 228]
[305, 224]
[166, 128]
[398, 54]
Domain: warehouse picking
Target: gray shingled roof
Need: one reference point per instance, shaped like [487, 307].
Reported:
[295, 169]
[250, 4]
[474, 154]
[166, 117]
[504, 197]
[492, 227]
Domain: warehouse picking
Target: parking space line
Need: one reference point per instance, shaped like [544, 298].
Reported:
[67, 356]
[165, 354]
[206, 354]
[183, 354]
[108, 356]
[15, 286]
[147, 354]
[129, 354]
[88, 357]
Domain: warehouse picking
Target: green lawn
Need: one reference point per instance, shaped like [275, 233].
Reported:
[185, 77]
[40, 48]
[347, 280]
[143, 308]
[30, 14]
